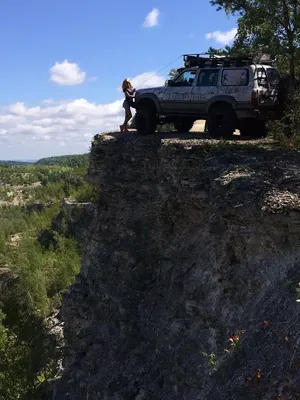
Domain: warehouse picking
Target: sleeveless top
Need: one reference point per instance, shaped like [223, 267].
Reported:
[130, 91]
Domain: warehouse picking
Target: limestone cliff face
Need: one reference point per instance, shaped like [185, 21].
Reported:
[191, 242]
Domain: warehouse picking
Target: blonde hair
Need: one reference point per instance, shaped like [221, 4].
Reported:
[126, 85]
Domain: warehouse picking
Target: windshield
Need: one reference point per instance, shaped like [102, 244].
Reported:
[185, 79]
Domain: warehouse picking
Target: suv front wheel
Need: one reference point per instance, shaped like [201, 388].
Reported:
[146, 119]
[184, 125]
[221, 121]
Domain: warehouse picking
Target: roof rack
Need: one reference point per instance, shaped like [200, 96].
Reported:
[198, 60]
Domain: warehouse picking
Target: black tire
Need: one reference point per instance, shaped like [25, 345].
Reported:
[253, 128]
[146, 120]
[184, 125]
[221, 121]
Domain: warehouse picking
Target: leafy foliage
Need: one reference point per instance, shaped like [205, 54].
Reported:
[226, 51]
[40, 268]
[267, 26]
[172, 73]
[287, 130]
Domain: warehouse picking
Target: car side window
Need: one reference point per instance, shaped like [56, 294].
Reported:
[262, 77]
[185, 79]
[208, 77]
[273, 76]
[235, 77]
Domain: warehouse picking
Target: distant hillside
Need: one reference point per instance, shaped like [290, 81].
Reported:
[75, 160]
[16, 162]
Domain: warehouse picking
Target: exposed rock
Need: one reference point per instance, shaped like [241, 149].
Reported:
[74, 219]
[192, 242]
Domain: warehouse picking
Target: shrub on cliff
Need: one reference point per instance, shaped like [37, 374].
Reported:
[287, 130]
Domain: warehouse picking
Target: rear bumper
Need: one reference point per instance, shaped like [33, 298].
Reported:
[259, 114]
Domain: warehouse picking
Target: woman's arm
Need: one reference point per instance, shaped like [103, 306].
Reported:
[128, 94]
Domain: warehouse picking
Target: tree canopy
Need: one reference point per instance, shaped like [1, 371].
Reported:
[267, 26]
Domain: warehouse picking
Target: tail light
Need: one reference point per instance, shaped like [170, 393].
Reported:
[254, 98]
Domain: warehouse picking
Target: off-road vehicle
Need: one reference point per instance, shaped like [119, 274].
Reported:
[229, 93]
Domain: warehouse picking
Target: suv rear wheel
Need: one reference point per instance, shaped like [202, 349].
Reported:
[184, 125]
[221, 121]
[146, 119]
[253, 128]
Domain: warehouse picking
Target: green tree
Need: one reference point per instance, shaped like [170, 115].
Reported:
[2, 243]
[172, 73]
[226, 51]
[267, 26]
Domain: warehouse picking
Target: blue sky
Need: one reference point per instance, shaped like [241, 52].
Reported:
[63, 61]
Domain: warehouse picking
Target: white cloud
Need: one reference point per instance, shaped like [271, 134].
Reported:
[48, 101]
[224, 38]
[151, 19]
[60, 127]
[66, 74]
[146, 80]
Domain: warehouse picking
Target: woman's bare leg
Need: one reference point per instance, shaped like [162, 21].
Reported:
[128, 117]
[123, 127]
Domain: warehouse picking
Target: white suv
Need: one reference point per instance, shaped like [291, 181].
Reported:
[229, 93]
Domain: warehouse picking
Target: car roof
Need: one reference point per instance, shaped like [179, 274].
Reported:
[231, 67]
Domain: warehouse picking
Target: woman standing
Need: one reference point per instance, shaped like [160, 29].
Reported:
[128, 91]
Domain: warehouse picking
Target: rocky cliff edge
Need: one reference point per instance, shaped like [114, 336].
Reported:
[189, 278]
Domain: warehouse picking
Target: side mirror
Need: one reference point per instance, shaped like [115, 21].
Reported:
[170, 82]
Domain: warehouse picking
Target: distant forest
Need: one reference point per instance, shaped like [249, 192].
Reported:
[76, 160]
[15, 162]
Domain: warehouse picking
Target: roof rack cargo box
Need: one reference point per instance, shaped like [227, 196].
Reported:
[198, 60]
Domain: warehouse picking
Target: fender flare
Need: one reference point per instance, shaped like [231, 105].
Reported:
[148, 96]
[221, 99]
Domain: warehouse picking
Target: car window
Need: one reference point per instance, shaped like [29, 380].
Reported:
[185, 79]
[261, 77]
[208, 77]
[235, 77]
[273, 77]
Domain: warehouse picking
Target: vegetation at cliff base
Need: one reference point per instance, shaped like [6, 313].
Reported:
[33, 272]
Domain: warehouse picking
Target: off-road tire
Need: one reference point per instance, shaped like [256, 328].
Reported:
[184, 125]
[253, 128]
[146, 120]
[221, 121]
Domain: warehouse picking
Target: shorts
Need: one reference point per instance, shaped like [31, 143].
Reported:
[126, 105]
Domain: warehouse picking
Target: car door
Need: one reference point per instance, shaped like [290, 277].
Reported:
[176, 97]
[205, 88]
